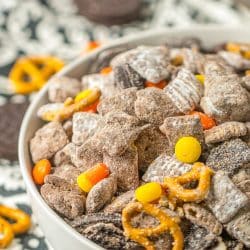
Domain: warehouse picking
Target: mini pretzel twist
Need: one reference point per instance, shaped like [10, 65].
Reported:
[198, 172]
[7, 233]
[141, 235]
[22, 220]
[30, 73]
[70, 108]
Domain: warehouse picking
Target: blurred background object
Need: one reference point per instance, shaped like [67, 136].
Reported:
[109, 11]
[63, 29]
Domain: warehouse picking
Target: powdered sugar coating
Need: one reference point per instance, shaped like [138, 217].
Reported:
[179, 126]
[84, 126]
[225, 131]
[60, 88]
[122, 101]
[47, 141]
[125, 167]
[224, 198]
[165, 166]
[239, 227]
[185, 91]
[105, 82]
[153, 106]
[101, 194]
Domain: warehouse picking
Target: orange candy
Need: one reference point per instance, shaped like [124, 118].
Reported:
[91, 46]
[106, 70]
[206, 121]
[89, 178]
[40, 170]
[159, 85]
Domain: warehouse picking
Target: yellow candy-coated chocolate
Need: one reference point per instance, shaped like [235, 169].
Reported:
[187, 149]
[200, 78]
[148, 192]
[84, 183]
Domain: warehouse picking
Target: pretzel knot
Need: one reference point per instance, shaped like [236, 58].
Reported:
[22, 220]
[199, 172]
[31, 73]
[6, 232]
[141, 235]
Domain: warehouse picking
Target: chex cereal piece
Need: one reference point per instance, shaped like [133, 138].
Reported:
[67, 172]
[224, 198]
[185, 91]
[47, 141]
[126, 77]
[68, 127]
[179, 126]
[86, 155]
[120, 130]
[242, 180]
[83, 221]
[105, 82]
[229, 156]
[165, 166]
[201, 216]
[120, 202]
[153, 106]
[235, 60]
[246, 82]
[122, 101]
[150, 62]
[84, 126]
[101, 194]
[125, 167]
[60, 88]
[63, 156]
[108, 236]
[225, 131]
[124, 57]
[63, 197]
[199, 238]
[103, 58]
[49, 107]
[150, 144]
[239, 227]
[222, 88]
[193, 60]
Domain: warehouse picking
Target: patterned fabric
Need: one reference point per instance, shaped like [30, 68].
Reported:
[53, 27]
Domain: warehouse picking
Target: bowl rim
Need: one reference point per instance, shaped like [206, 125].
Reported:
[30, 185]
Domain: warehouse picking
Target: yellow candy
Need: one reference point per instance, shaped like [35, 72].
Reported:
[83, 94]
[200, 78]
[148, 192]
[187, 149]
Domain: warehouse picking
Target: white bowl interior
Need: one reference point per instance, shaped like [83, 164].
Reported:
[61, 235]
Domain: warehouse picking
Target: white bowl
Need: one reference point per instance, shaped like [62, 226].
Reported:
[59, 234]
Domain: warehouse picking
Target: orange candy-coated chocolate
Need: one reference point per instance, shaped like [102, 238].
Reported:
[206, 121]
[106, 70]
